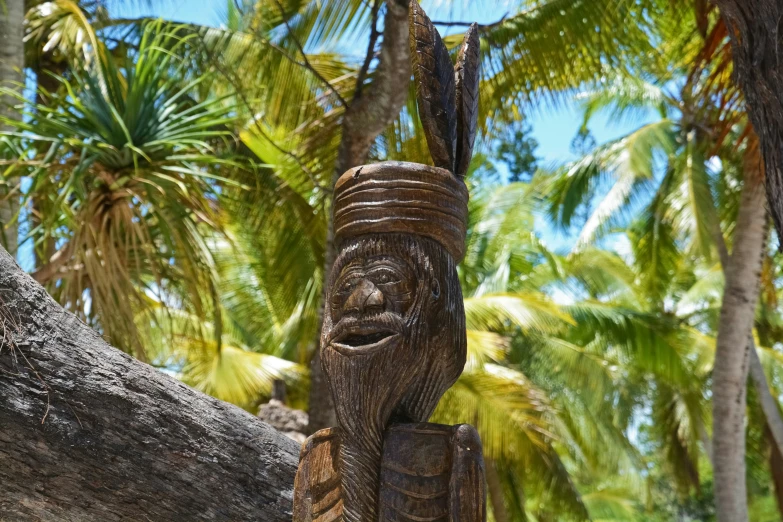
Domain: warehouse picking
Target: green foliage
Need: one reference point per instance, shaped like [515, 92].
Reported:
[518, 151]
[175, 184]
[122, 164]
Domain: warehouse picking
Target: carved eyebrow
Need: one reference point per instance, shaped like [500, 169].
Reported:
[350, 264]
[391, 268]
[389, 261]
[348, 271]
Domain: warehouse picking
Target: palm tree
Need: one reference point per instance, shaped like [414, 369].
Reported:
[682, 212]
[540, 375]
[223, 249]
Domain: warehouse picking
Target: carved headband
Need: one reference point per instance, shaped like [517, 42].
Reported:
[399, 197]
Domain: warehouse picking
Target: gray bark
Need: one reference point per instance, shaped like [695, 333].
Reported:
[89, 434]
[769, 405]
[366, 117]
[731, 357]
[11, 64]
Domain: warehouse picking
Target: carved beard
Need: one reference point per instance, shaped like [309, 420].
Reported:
[403, 381]
[367, 399]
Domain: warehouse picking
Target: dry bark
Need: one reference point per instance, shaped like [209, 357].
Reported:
[89, 434]
[369, 113]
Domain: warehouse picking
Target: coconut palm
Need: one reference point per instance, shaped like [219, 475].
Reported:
[568, 363]
[666, 165]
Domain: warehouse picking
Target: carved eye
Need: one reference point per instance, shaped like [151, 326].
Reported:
[385, 276]
[435, 289]
[347, 286]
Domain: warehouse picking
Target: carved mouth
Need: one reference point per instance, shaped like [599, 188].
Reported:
[363, 339]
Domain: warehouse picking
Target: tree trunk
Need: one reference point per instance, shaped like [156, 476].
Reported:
[87, 433]
[495, 490]
[369, 113]
[11, 66]
[731, 357]
[776, 469]
[754, 29]
[769, 404]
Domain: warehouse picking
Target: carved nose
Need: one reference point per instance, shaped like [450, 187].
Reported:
[364, 297]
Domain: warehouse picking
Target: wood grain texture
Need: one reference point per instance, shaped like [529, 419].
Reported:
[89, 434]
[401, 197]
[469, 501]
[317, 490]
[467, 75]
[393, 338]
[393, 341]
[364, 120]
[429, 472]
[435, 95]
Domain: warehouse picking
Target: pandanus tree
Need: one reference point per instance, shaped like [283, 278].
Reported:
[122, 163]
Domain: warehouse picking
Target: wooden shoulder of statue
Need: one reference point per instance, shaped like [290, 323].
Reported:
[393, 338]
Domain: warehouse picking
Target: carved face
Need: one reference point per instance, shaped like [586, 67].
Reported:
[393, 338]
[370, 300]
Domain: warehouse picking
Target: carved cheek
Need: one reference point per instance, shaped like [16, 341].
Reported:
[399, 297]
[340, 294]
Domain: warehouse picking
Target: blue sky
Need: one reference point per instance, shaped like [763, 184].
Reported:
[553, 127]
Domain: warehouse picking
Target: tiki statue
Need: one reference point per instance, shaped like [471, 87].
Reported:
[393, 338]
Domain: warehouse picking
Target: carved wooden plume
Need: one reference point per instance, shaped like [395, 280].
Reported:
[447, 95]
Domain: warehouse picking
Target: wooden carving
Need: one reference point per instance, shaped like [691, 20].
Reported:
[393, 339]
[435, 94]
[467, 87]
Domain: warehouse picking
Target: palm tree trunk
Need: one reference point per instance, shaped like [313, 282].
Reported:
[776, 469]
[732, 352]
[495, 490]
[370, 112]
[11, 65]
[769, 405]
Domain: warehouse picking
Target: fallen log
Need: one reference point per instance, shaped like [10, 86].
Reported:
[88, 433]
